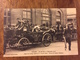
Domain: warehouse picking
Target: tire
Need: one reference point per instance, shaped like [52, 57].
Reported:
[46, 39]
[24, 41]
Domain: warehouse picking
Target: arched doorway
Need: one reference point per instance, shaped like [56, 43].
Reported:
[58, 16]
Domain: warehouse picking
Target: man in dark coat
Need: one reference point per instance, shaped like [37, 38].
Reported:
[68, 35]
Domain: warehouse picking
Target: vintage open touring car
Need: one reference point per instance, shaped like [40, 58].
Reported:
[24, 34]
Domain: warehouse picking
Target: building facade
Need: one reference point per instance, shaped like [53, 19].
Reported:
[37, 16]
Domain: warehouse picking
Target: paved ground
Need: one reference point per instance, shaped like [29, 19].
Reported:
[56, 48]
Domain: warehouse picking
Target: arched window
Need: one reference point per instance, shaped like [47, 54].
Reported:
[58, 16]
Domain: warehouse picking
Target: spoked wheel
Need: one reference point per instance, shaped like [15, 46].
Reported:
[24, 41]
[46, 39]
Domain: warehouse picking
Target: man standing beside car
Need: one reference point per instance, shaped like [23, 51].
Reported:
[68, 35]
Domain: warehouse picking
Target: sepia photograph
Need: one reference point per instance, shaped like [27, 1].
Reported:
[40, 32]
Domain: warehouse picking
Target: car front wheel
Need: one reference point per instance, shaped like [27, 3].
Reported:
[46, 39]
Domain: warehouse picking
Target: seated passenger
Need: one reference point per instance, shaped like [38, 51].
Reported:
[44, 27]
[19, 25]
[36, 28]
